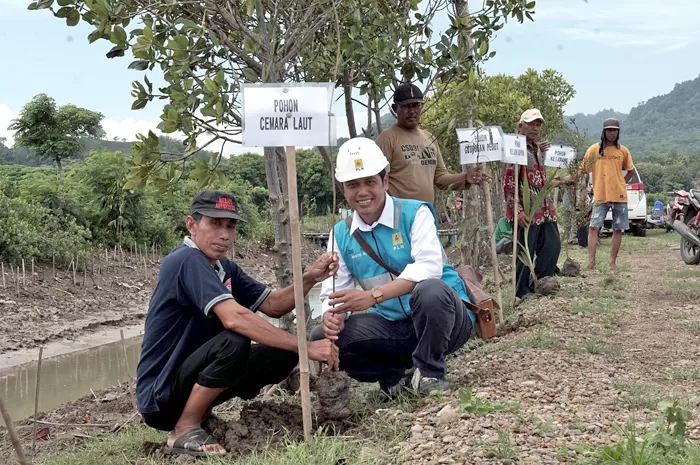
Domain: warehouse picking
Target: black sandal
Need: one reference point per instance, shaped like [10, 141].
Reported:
[189, 443]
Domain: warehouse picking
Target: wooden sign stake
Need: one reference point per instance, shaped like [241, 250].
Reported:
[494, 255]
[515, 232]
[36, 398]
[295, 225]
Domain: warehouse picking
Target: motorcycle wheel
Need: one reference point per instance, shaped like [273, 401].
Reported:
[690, 253]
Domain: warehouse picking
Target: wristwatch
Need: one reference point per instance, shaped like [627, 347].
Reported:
[377, 294]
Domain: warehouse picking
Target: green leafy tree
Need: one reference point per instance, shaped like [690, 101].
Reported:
[314, 181]
[53, 132]
[206, 49]
[499, 100]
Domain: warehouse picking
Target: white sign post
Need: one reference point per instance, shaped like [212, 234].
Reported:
[282, 115]
[483, 145]
[515, 153]
[558, 157]
[289, 115]
[480, 145]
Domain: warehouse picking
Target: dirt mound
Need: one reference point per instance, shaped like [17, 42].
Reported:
[333, 389]
[570, 268]
[547, 285]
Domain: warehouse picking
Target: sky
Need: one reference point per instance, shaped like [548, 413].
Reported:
[616, 54]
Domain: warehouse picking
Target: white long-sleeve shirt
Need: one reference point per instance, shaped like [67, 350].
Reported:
[426, 250]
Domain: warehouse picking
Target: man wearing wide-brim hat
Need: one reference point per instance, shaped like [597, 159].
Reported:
[605, 161]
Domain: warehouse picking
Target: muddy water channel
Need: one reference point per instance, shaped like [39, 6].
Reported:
[67, 377]
[70, 376]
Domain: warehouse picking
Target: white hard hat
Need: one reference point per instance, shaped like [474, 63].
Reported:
[359, 158]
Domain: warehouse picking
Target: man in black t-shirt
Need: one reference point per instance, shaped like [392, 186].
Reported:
[197, 350]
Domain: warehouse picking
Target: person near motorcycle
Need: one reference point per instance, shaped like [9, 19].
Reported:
[605, 161]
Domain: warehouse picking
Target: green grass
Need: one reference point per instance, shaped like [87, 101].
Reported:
[541, 339]
[637, 395]
[598, 304]
[686, 373]
[687, 273]
[503, 448]
[321, 224]
[127, 448]
[592, 347]
[693, 326]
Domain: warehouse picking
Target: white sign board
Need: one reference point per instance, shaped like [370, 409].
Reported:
[559, 156]
[279, 115]
[480, 145]
[514, 149]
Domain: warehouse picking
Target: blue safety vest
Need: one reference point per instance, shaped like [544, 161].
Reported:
[393, 245]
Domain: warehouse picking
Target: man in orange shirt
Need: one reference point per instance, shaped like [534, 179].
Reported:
[606, 160]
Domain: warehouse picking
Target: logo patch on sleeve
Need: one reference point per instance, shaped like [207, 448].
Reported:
[228, 284]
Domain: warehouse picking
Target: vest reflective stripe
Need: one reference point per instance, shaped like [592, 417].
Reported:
[394, 247]
[376, 281]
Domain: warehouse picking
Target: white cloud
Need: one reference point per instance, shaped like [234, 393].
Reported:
[6, 115]
[660, 26]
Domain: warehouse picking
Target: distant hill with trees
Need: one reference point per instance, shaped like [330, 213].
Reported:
[665, 125]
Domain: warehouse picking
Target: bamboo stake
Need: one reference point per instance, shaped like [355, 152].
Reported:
[126, 358]
[24, 275]
[75, 264]
[3, 276]
[32, 270]
[36, 398]
[53, 266]
[294, 221]
[515, 231]
[494, 255]
[145, 269]
[17, 282]
[13, 434]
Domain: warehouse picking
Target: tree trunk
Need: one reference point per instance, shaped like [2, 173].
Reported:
[59, 167]
[349, 111]
[377, 116]
[471, 236]
[276, 175]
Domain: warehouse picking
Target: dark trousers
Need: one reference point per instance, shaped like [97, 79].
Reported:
[545, 245]
[227, 360]
[374, 349]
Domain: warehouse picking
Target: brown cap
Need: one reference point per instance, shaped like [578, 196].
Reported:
[611, 123]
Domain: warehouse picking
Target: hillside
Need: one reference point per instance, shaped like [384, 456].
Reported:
[664, 125]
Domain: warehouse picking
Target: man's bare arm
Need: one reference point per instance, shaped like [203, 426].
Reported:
[281, 302]
[239, 319]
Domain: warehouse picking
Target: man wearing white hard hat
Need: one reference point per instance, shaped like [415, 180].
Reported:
[416, 300]
[543, 237]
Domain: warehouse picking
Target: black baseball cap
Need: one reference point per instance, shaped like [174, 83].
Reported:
[216, 204]
[408, 93]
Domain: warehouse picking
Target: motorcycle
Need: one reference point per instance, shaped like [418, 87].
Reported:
[674, 208]
[685, 219]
